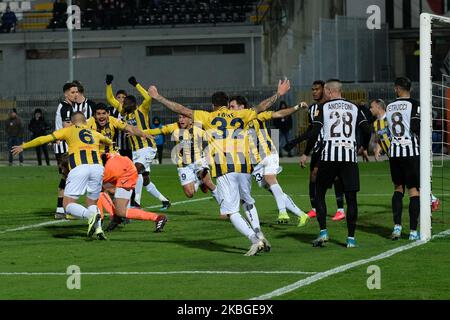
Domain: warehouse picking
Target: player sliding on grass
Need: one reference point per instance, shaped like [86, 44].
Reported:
[119, 179]
[193, 169]
[86, 169]
[266, 156]
[229, 152]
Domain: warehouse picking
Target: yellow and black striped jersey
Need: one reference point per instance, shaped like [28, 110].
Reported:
[227, 141]
[189, 142]
[381, 129]
[84, 144]
[261, 144]
[110, 130]
[138, 118]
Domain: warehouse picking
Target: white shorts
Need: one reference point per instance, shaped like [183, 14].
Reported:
[85, 178]
[270, 165]
[245, 188]
[228, 188]
[145, 156]
[189, 173]
[122, 193]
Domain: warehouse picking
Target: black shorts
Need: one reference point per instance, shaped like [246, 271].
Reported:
[405, 171]
[348, 172]
[315, 159]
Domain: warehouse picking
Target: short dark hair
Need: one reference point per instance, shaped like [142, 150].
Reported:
[319, 82]
[129, 99]
[79, 86]
[101, 106]
[121, 92]
[379, 102]
[219, 99]
[241, 100]
[68, 85]
[403, 82]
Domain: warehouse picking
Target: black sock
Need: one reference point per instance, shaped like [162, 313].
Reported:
[397, 207]
[352, 212]
[60, 202]
[321, 207]
[414, 212]
[339, 192]
[312, 194]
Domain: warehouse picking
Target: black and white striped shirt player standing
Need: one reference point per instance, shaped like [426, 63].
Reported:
[403, 119]
[338, 119]
[62, 119]
[315, 145]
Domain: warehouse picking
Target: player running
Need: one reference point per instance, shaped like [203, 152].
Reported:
[193, 169]
[228, 152]
[266, 157]
[119, 179]
[144, 150]
[315, 146]
[86, 169]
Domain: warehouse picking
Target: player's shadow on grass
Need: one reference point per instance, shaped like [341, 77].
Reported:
[208, 245]
[67, 231]
[308, 238]
[381, 231]
[45, 213]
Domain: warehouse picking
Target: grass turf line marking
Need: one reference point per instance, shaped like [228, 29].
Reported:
[331, 272]
[49, 223]
[115, 273]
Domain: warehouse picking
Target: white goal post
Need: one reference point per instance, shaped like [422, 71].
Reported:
[426, 128]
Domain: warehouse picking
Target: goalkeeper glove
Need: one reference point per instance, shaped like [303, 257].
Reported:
[133, 81]
[109, 78]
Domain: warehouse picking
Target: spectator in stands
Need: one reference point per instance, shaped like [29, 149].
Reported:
[285, 127]
[59, 14]
[39, 127]
[159, 139]
[14, 131]
[9, 21]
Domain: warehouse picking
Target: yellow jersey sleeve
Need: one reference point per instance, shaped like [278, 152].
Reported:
[116, 123]
[202, 117]
[247, 115]
[62, 134]
[38, 141]
[145, 105]
[102, 139]
[265, 116]
[111, 99]
[91, 123]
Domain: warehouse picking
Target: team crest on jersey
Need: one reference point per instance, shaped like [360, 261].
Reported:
[316, 113]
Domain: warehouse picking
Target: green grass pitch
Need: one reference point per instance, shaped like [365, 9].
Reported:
[195, 239]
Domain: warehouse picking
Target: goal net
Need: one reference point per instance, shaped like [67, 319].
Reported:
[435, 123]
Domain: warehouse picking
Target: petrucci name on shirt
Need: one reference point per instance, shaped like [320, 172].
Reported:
[397, 107]
[340, 106]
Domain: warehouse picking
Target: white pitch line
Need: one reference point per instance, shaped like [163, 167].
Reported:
[331, 272]
[48, 223]
[359, 195]
[114, 273]
[182, 202]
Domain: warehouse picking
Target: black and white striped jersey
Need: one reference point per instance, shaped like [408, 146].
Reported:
[87, 107]
[312, 112]
[122, 140]
[62, 115]
[399, 115]
[339, 119]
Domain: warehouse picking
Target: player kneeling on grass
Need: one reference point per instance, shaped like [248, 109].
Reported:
[119, 179]
[193, 169]
[86, 170]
